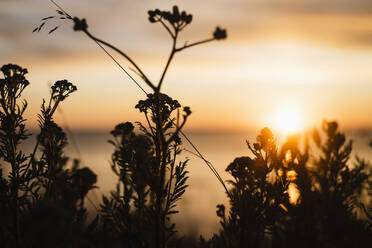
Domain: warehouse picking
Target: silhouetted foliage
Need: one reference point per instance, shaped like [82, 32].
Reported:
[283, 199]
[151, 181]
[279, 197]
[257, 196]
[42, 200]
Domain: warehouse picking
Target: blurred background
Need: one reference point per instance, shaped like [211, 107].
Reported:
[287, 64]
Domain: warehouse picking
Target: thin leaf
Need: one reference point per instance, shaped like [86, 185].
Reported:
[283, 207]
[54, 29]
[173, 212]
[41, 26]
[46, 18]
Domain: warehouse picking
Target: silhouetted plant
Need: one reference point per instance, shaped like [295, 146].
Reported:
[30, 186]
[339, 185]
[12, 132]
[283, 200]
[140, 209]
[152, 182]
[330, 189]
[278, 197]
[257, 197]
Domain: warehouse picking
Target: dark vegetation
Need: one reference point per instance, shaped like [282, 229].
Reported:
[280, 196]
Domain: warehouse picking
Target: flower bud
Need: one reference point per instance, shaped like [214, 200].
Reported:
[219, 34]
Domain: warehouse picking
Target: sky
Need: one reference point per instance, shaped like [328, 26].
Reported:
[312, 56]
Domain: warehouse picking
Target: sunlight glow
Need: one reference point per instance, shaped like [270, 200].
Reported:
[288, 120]
[293, 193]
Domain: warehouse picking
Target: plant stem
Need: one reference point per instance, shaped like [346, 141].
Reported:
[147, 81]
[194, 44]
[169, 60]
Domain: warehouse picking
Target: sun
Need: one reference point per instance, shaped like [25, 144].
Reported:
[288, 119]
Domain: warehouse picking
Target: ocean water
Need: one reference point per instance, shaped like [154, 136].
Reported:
[198, 206]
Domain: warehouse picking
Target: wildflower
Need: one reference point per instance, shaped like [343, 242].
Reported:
[187, 111]
[122, 129]
[61, 89]
[84, 179]
[265, 138]
[51, 132]
[80, 25]
[175, 18]
[238, 167]
[219, 34]
[166, 103]
[14, 79]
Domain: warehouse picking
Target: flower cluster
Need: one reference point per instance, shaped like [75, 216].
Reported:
[175, 18]
[83, 180]
[51, 133]
[166, 103]
[11, 70]
[265, 140]
[240, 166]
[122, 129]
[245, 167]
[14, 79]
[62, 89]
[80, 25]
[219, 34]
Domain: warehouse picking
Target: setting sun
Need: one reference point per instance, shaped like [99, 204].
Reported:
[288, 120]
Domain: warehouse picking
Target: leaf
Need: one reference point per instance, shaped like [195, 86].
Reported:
[33, 31]
[46, 18]
[180, 189]
[182, 182]
[41, 26]
[177, 196]
[283, 207]
[173, 212]
[60, 12]
[54, 29]
[111, 142]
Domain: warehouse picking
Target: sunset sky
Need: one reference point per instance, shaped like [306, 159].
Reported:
[314, 56]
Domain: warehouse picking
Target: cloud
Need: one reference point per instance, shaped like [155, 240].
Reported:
[335, 23]
[342, 23]
[306, 6]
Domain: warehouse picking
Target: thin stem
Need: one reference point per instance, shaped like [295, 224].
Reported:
[171, 176]
[147, 81]
[60, 8]
[167, 28]
[148, 122]
[169, 60]
[194, 44]
[209, 164]
[15, 186]
[178, 128]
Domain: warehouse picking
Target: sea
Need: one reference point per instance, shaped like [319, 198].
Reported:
[198, 206]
